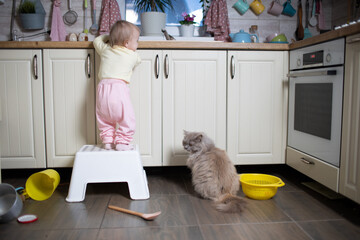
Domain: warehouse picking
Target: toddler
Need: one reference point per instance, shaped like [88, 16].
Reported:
[114, 111]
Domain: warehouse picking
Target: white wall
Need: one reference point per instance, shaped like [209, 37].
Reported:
[266, 23]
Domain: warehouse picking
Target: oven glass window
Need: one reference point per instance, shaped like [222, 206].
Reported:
[313, 108]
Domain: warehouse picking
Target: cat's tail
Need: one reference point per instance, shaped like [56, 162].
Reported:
[230, 203]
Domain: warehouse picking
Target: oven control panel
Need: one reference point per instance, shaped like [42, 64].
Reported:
[322, 54]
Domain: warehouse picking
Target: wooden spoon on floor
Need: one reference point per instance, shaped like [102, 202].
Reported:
[146, 216]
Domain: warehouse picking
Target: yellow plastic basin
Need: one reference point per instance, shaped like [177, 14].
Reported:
[260, 186]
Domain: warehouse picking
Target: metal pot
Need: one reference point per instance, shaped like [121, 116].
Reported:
[10, 203]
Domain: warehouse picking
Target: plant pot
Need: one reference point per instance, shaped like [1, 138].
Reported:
[152, 23]
[187, 30]
[32, 21]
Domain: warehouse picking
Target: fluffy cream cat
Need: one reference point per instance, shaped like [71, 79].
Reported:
[213, 174]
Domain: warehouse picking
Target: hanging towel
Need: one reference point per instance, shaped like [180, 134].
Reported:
[58, 32]
[321, 17]
[110, 13]
[217, 20]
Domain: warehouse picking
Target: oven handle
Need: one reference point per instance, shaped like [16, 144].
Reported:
[310, 74]
[306, 161]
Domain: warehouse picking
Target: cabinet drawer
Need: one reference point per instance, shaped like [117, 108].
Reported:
[320, 171]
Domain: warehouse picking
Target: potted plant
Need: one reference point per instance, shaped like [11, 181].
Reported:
[187, 25]
[31, 14]
[153, 17]
[27, 7]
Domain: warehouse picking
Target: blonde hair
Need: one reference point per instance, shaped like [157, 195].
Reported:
[121, 32]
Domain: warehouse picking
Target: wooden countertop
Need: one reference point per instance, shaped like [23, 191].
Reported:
[342, 32]
[152, 45]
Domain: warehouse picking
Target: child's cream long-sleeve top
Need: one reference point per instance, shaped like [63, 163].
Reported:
[116, 62]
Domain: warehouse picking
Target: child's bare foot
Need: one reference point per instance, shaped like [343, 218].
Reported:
[124, 147]
[107, 146]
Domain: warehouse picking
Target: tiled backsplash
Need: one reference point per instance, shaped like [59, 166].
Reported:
[267, 23]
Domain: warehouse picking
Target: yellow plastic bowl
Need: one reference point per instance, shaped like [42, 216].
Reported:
[260, 186]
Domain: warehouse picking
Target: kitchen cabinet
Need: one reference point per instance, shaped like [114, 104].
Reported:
[69, 91]
[194, 99]
[146, 97]
[21, 111]
[350, 156]
[257, 106]
[173, 91]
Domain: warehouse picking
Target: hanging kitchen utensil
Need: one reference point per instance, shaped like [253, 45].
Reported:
[313, 20]
[321, 19]
[307, 33]
[300, 29]
[356, 10]
[94, 27]
[70, 16]
[85, 16]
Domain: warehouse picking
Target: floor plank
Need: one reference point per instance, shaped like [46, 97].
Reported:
[270, 231]
[336, 229]
[255, 211]
[168, 233]
[301, 206]
[78, 234]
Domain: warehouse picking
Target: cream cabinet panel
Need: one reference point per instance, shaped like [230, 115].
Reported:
[350, 153]
[256, 116]
[194, 99]
[69, 103]
[145, 88]
[22, 111]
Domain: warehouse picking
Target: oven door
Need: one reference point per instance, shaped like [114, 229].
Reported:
[315, 112]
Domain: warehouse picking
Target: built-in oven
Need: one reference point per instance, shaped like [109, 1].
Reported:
[315, 110]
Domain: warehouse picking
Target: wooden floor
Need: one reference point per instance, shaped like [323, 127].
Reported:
[296, 212]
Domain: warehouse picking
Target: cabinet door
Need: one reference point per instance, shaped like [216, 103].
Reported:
[350, 155]
[21, 111]
[146, 95]
[194, 99]
[256, 107]
[69, 103]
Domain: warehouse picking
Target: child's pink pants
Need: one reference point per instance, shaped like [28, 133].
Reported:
[114, 107]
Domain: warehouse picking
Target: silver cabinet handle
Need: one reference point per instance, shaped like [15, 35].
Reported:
[157, 66]
[35, 67]
[166, 66]
[310, 74]
[88, 66]
[232, 68]
[306, 161]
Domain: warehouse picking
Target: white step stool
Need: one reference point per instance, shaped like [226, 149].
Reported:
[94, 164]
